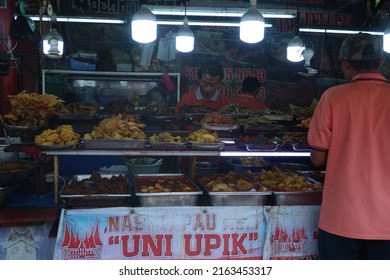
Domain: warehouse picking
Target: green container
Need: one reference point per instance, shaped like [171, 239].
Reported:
[143, 166]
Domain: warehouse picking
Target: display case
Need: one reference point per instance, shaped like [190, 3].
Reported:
[102, 87]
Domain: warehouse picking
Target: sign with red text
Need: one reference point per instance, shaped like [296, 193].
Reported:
[161, 233]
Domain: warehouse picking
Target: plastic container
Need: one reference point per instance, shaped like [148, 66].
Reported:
[143, 166]
[75, 64]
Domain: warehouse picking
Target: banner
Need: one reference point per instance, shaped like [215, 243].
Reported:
[161, 233]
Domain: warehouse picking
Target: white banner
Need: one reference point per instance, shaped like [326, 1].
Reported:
[161, 233]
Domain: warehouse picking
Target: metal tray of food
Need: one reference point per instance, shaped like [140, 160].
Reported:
[288, 188]
[279, 117]
[258, 147]
[223, 189]
[316, 175]
[84, 191]
[167, 145]
[113, 144]
[158, 118]
[310, 197]
[56, 147]
[221, 127]
[262, 128]
[22, 128]
[76, 117]
[155, 190]
[206, 146]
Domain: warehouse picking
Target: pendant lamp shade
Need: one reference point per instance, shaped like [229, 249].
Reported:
[252, 25]
[144, 26]
[386, 40]
[185, 38]
[53, 44]
[295, 49]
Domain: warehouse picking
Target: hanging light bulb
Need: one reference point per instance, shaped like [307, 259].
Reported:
[144, 26]
[295, 49]
[53, 44]
[185, 38]
[252, 25]
[386, 40]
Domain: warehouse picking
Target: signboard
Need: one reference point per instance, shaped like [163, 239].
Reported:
[161, 233]
[215, 233]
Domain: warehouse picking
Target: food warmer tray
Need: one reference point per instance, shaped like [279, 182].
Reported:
[237, 198]
[158, 199]
[221, 127]
[113, 144]
[262, 128]
[95, 200]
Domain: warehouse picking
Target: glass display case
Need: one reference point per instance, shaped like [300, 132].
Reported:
[143, 88]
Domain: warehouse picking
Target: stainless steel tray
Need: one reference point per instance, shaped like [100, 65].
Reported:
[262, 128]
[113, 144]
[57, 147]
[95, 200]
[168, 118]
[271, 147]
[23, 128]
[157, 199]
[75, 117]
[250, 198]
[221, 127]
[279, 117]
[313, 197]
[167, 145]
[206, 146]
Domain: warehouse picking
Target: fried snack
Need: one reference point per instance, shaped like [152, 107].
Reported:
[285, 181]
[216, 118]
[165, 137]
[63, 135]
[203, 136]
[31, 109]
[124, 127]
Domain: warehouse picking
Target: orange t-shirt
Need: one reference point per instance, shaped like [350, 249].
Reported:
[249, 101]
[352, 122]
[216, 102]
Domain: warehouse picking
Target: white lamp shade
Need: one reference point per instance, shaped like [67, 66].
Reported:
[53, 44]
[252, 26]
[386, 40]
[295, 49]
[185, 38]
[144, 26]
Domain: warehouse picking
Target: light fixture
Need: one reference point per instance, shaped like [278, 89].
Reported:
[203, 23]
[185, 38]
[386, 40]
[338, 31]
[144, 26]
[252, 25]
[81, 19]
[295, 49]
[194, 11]
[53, 43]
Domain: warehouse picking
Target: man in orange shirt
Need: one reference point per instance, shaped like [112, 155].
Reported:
[349, 133]
[210, 74]
[247, 98]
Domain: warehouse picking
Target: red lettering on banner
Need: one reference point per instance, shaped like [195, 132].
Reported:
[205, 244]
[229, 74]
[157, 245]
[125, 223]
[203, 222]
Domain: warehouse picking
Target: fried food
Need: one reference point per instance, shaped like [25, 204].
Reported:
[63, 135]
[204, 136]
[118, 127]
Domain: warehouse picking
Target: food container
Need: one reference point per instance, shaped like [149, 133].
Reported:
[291, 188]
[14, 172]
[262, 128]
[206, 167]
[207, 146]
[143, 165]
[254, 195]
[221, 127]
[113, 144]
[177, 183]
[85, 195]
[289, 166]
[310, 197]
[249, 198]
